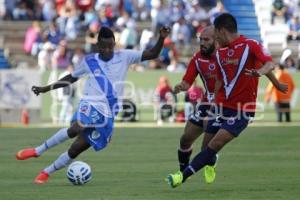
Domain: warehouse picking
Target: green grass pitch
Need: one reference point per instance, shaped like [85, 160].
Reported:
[263, 163]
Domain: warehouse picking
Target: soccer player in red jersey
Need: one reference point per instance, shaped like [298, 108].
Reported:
[203, 64]
[240, 62]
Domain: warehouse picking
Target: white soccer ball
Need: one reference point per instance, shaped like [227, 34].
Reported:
[79, 173]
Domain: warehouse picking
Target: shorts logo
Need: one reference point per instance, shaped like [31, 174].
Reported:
[97, 72]
[95, 135]
[211, 67]
[230, 52]
[95, 116]
[231, 121]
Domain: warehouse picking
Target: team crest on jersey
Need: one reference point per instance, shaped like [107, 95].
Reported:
[211, 67]
[95, 135]
[230, 52]
[97, 72]
[231, 121]
[85, 109]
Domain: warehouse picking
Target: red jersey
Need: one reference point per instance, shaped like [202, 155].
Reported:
[239, 91]
[207, 70]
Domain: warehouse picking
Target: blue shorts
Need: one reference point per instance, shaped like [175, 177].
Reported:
[231, 120]
[99, 128]
[200, 113]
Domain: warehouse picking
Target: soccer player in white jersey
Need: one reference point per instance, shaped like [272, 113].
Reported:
[92, 123]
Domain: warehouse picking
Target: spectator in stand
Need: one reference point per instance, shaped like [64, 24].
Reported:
[48, 10]
[84, 5]
[196, 15]
[294, 28]
[159, 15]
[62, 56]
[279, 9]
[193, 96]
[33, 35]
[292, 7]
[177, 11]
[68, 21]
[181, 33]
[129, 36]
[52, 34]
[282, 100]
[165, 101]
[2, 9]
[77, 57]
[216, 11]
[45, 57]
[24, 10]
[91, 37]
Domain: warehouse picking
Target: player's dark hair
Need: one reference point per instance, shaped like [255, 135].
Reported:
[105, 32]
[226, 21]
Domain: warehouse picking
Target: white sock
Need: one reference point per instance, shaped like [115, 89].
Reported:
[62, 161]
[57, 138]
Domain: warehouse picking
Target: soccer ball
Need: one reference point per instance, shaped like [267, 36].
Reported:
[79, 173]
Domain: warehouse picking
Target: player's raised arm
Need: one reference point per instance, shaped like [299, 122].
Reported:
[63, 82]
[154, 52]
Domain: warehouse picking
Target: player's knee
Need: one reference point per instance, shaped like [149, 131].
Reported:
[73, 153]
[185, 142]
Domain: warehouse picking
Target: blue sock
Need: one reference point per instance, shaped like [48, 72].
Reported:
[200, 160]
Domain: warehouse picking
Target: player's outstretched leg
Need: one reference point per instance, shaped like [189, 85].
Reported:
[200, 160]
[191, 133]
[59, 137]
[78, 146]
[210, 171]
[63, 160]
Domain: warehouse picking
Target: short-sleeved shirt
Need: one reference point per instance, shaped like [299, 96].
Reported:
[115, 70]
[206, 68]
[239, 91]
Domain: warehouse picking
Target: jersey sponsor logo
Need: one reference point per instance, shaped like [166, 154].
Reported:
[230, 52]
[97, 72]
[95, 135]
[228, 61]
[211, 67]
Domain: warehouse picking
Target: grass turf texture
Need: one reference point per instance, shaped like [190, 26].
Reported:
[263, 163]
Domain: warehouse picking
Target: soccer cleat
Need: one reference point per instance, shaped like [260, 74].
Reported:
[175, 179]
[210, 172]
[24, 154]
[41, 178]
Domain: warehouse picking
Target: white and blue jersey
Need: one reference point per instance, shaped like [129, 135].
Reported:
[101, 94]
